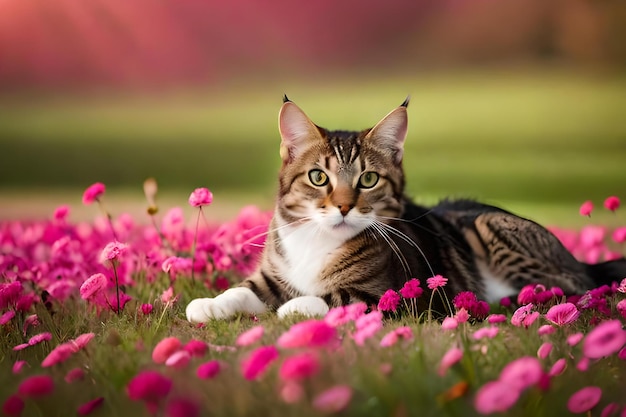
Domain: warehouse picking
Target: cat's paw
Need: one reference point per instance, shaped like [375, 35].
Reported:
[230, 302]
[306, 305]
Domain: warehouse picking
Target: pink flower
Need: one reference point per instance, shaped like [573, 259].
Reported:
[436, 282]
[89, 406]
[92, 286]
[165, 348]
[546, 329]
[389, 301]
[558, 367]
[146, 309]
[258, 361]
[196, 348]
[496, 318]
[112, 252]
[168, 296]
[449, 323]
[250, 337]
[523, 316]
[200, 197]
[148, 386]
[489, 332]
[611, 203]
[462, 316]
[36, 386]
[334, 399]
[7, 317]
[299, 367]
[621, 308]
[18, 366]
[451, 357]
[13, 406]
[292, 392]
[610, 409]
[561, 314]
[522, 372]
[178, 359]
[574, 338]
[308, 333]
[93, 192]
[182, 407]
[209, 369]
[74, 374]
[583, 364]
[61, 212]
[604, 340]
[586, 208]
[81, 341]
[544, 350]
[495, 397]
[367, 326]
[584, 399]
[403, 332]
[59, 354]
[619, 234]
[38, 338]
[411, 289]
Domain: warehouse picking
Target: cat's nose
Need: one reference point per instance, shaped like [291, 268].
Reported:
[345, 208]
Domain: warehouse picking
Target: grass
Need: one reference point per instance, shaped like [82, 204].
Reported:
[529, 137]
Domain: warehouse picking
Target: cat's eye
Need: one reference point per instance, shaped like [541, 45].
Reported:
[318, 177]
[368, 179]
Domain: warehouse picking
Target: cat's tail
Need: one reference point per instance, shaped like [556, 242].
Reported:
[605, 273]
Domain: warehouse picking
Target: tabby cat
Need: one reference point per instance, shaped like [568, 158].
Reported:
[343, 231]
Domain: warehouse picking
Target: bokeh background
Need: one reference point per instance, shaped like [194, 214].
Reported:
[519, 103]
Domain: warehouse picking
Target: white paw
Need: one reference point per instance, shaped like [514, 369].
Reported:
[307, 305]
[230, 302]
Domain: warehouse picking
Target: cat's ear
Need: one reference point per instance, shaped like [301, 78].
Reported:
[390, 132]
[297, 131]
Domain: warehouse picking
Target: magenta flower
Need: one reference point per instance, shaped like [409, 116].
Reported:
[81, 341]
[18, 366]
[393, 336]
[605, 339]
[488, 332]
[524, 316]
[196, 348]
[299, 367]
[209, 369]
[464, 299]
[7, 317]
[36, 386]
[13, 406]
[522, 372]
[586, 208]
[436, 282]
[146, 308]
[612, 203]
[561, 314]
[462, 316]
[451, 357]
[182, 407]
[574, 339]
[411, 289]
[495, 397]
[38, 338]
[253, 366]
[61, 212]
[557, 368]
[148, 386]
[496, 318]
[92, 286]
[389, 301]
[200, 197]
[112, 252]
[621, 308]
[74, 374]
[334, 399]
[619, 235]
[546, 329]
[59, 354]
[90, 406]
[584, 400]
[165, 348]
[449, 323]
[367, 326]
[93, 192]
[250, 336]
[178, 359]
[544, 350]
[308, 333]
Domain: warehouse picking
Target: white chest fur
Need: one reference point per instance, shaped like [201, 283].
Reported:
[307, 251]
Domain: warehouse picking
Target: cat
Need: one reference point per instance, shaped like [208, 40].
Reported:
[343, 231]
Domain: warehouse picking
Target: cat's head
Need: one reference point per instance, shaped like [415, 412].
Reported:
[341, 181]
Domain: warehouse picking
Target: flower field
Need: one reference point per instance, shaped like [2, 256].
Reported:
[92, 323]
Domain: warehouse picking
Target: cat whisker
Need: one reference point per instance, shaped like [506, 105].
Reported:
[394, 247]
[408, 240]
[269, 231]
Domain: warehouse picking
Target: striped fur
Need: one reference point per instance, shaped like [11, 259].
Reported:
[337, 236]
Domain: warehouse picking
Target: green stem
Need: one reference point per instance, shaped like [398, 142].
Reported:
[108, 217]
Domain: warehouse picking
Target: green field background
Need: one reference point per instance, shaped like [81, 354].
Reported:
[539, 143]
